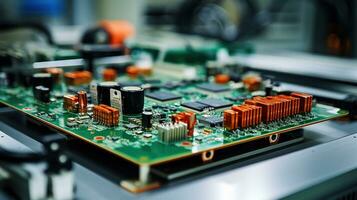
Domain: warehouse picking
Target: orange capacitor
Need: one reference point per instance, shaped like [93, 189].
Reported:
[252, 82]
[145, 70]
[250, 102]
[242, 116]
[280, 107]
[249, 114]
[291, 104]
[237, 111]
[260, 113]
[70, 103]
[229, 120]
[292, 107]
[266, 108]
[132, 71]
[221, 78]
[96, 112]
[281, 104]
[109, 74]
[309, 103]
[78, 77]
[272, 106]
[297, 105]
[114, 119]
[256, 114]
[188, 118]
[106, 115]
[288, 106]
[191, 122]
[82, 101]
[305, 101]
[118, 30]
[277, 107]
[284, 106]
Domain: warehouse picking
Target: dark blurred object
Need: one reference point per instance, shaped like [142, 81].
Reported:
[24, 42]
[319, 26]
[91, 52]
[335, 28]
[37, 27]
[95, 35]
[113, 32]
[227, 20]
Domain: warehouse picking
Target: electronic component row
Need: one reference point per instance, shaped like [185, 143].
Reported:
[242, 116]
[106, 115]
[266, 109]
[129, 99]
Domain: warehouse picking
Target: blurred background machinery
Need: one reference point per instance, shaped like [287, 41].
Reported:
[317, 26]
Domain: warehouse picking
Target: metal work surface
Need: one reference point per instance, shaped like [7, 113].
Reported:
[279, 176]
[303, 64]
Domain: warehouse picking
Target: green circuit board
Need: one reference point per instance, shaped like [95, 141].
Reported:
[144, 147]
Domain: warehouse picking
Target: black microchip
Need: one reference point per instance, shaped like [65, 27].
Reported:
[163, 96]
[151, 81]
[239, 98]
[195, 106]
[215, 103]
[171, 85]
[212, 121]
[212, 87]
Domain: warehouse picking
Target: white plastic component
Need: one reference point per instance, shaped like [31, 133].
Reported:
[179, 71]
[115, 99]
[63, 185]
[94, 93]
[172, 132]
[37, 183]
[144, 171]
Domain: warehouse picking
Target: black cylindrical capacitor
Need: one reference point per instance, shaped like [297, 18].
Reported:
[42, 93]
[132, 100]
[44, 79]
[146, 117]
[103, 91]
[268, 90]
